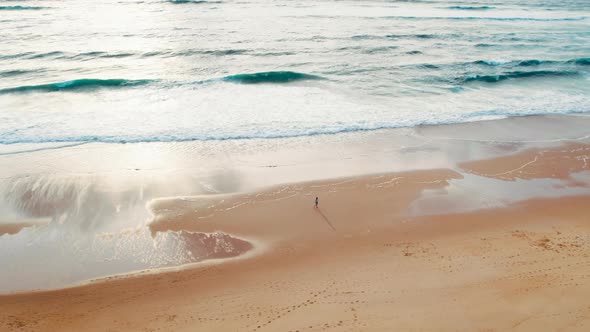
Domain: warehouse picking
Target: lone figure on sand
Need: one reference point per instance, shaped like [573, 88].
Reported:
[317, 201]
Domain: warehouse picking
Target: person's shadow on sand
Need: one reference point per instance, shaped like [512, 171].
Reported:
[325, 218]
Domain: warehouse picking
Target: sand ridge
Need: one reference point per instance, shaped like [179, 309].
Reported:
[534, 163]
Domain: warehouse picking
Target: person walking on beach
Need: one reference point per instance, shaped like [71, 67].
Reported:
[317, 201]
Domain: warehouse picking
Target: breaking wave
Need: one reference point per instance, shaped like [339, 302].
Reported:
[518, 75]
[75, 85]
[470, 7]
[20, 8]
[270, 77]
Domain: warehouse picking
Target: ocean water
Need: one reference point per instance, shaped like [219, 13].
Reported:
[157, 70]
[223, 72]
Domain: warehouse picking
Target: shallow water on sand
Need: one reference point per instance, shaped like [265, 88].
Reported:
[93, 199]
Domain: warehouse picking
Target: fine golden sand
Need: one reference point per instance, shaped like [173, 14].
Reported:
[361, 262]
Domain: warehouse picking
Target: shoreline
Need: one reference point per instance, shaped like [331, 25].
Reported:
[482, 231]
[228, 167]
[50, 145]
[257, 249]
[208, 218]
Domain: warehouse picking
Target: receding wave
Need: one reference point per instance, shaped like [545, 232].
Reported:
[407, 36]
[270, 77]
[76, 85]
[416, 36]
[20, 8]
[280, 53]
[223, 52]
[191, 52]
[31, 55]
[485, 18]
[382, 49]
[470, 7]
[517, 63]
[518, 75]
[99, 54]
[532, 62]
[59, 55]
[15, 72]
[549, 67]
[581, 61]
[193, 1]
[529, 63]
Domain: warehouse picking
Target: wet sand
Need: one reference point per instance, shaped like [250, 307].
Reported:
[363, 261]
[556, 163]
[15, 227]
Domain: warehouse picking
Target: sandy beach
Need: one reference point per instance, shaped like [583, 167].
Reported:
[368, 259]
[294, 166]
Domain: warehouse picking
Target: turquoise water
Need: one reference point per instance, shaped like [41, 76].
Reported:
[140, 71]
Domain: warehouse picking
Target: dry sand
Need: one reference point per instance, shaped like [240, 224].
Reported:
[360, 262]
